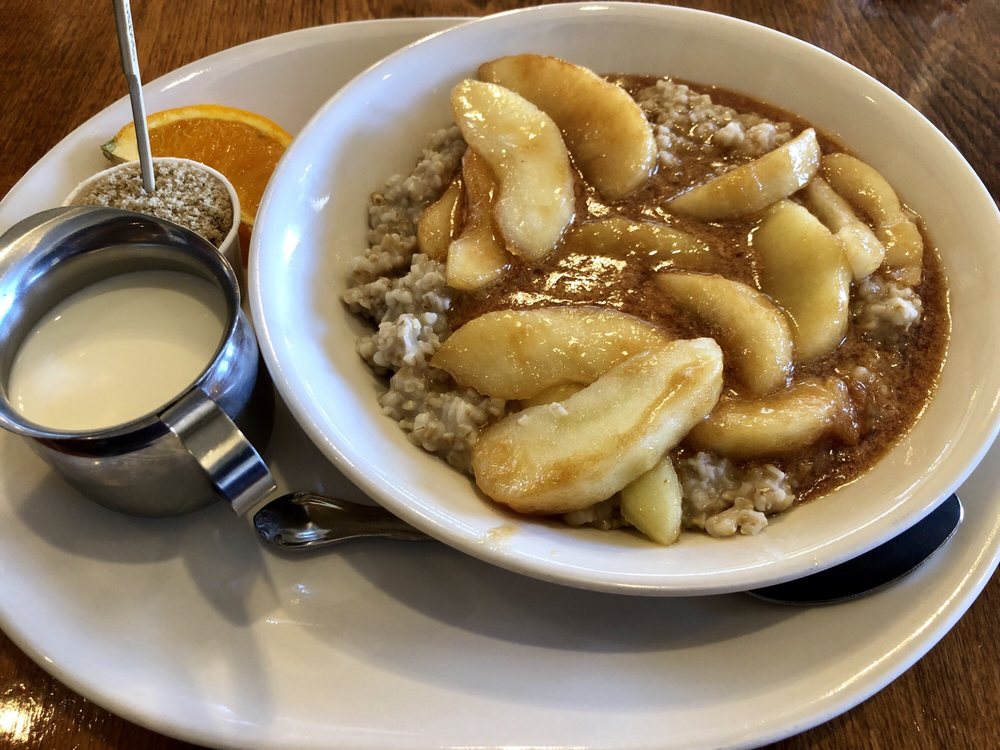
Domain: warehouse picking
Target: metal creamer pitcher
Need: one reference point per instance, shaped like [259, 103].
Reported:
[193, 450]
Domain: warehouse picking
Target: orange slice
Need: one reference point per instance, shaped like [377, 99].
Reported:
[244, 146]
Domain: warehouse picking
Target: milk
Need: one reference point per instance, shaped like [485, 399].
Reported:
[117, 350]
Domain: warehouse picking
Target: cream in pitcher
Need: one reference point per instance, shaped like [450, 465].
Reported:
[117, 349]
[128, 364]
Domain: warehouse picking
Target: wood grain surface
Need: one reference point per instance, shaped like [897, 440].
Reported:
[59, 65]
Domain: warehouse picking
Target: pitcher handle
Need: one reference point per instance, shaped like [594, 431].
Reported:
[233, 466]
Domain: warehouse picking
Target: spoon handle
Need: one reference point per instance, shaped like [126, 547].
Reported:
[304, 520]
[130, 66]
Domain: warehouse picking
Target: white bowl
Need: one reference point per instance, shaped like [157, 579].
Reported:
[312, 221]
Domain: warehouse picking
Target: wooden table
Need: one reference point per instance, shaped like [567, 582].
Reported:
[60, 65]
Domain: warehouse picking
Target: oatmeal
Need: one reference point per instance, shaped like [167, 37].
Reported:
[851, 366]
[405, 294]
[685, 120]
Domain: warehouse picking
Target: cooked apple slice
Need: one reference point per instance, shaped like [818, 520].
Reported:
[620, 237]
[753, 187]
[864, 187]
[778, 424]
[753, 333]
[862, 248]
[517, 354]
[605, 130]
[477, 256]
[652, 503]
[524, 148]
[559, 392]
[802, 267]
[438, 224]
[561, 458]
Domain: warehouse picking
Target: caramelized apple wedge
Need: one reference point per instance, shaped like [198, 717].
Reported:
[778, 424]
[862, 248]
[605, 130]
[559, 458]
[864, 187]
[620, 237]
[477, 257]
[802, 267]
[517, 354]
[438, 224]
[524, 148]
[752, 331]
[652, 503]
[550, 395]
[753, 187]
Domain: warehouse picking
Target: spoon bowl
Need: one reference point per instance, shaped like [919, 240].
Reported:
[876, 568]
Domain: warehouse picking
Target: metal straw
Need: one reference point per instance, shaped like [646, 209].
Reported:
[130, 65]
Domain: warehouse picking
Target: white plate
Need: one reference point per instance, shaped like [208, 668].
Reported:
[189, 627]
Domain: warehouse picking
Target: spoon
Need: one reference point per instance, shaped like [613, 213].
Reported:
[130, 66]
[305, 520]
